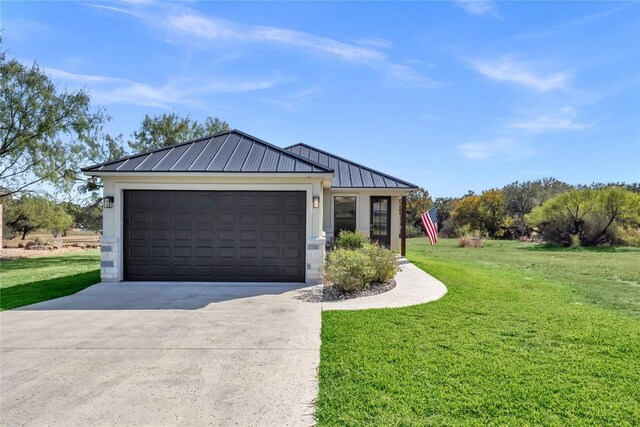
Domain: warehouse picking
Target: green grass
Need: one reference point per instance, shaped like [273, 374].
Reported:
[526, 335]
[29, 280]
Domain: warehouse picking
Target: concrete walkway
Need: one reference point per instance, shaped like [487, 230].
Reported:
[158, 354]
[413, 286]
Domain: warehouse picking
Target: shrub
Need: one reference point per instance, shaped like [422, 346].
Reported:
[350, 240]
[384, 261]
[348, 270]
[414, 231]
[470, 242]
[631, 237]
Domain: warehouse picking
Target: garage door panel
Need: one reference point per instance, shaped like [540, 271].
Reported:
[226, 219]
[214, 235]
[291, 236]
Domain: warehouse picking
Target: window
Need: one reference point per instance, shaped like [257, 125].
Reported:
[344, 214]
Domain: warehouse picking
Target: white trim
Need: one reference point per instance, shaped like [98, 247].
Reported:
[139, 174]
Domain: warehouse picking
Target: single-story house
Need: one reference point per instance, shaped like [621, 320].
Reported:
[232, 207]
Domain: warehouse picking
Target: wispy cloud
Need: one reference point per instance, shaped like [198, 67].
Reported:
[185, 25]
[296, 99]
[21, 29]
[576, 22]
[563, 119]
[478, 7]
[113, 90]
[549, 123]
[499, 149]
[374, 42]
[212, 29]
[506, 69]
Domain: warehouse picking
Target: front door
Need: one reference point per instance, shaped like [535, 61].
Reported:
[381, 220]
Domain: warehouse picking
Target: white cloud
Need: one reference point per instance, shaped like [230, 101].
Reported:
[374, 42]
[499, 149]
[562, 120]
[296, 99]
[478, 7]
[549, 123]
[112, 90]
[406, 75]
[21, 29]
[506, 69]
[212, 29]
[186, 25]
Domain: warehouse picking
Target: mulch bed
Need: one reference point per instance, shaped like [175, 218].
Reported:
[329, 293]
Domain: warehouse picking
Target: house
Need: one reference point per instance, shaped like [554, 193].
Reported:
[232, 207]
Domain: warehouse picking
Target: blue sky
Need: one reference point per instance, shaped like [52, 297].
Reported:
[452, 96]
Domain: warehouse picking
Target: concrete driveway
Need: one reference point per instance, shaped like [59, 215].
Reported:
[163, 354]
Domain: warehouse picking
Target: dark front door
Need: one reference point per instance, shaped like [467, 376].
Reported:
[217, 236]
[381, 220]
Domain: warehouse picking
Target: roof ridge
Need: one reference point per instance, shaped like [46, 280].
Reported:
[210, 137]
[353, 163]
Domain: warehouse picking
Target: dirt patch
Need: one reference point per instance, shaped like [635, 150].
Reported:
[14, 253]
[329, 293]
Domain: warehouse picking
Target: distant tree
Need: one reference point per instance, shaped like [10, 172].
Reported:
[418, 202]
[492, 212]
[170, 129]
[87, 216]
[444, 206]
[213, 125]
[520, 198]
[466, 212]
[30, 213]
[587, 216]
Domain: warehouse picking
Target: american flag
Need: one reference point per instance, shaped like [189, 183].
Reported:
[430, 223]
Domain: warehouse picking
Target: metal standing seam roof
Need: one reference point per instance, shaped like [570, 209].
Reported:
[348, 174]
[232, 151]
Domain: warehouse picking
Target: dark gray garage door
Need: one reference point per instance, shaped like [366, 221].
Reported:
[214, 236]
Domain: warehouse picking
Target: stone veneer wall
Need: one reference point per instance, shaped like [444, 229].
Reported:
[315, 259]
[109, 259]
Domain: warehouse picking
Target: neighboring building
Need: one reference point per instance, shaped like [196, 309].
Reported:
[233, 208]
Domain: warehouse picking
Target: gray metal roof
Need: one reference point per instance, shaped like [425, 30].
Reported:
[232, 151]
[348, 174]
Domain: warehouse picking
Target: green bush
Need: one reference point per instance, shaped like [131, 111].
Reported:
[384, 261]
[350, 240]
[348, 270]
[414, 231]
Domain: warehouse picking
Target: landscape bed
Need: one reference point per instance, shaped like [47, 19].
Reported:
[526, 335]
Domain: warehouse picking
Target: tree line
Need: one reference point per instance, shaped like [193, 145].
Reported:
[547, 209]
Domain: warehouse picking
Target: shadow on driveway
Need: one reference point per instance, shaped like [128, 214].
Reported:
[169, 296]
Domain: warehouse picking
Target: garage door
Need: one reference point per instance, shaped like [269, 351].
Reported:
[214, 236]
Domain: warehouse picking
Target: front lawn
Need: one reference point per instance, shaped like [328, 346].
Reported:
[527, 335]
[29, 280]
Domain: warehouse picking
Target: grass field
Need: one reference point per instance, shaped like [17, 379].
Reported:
[527, 335]
[30, 280]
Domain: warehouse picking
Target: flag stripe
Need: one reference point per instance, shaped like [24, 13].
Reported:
[429, 221]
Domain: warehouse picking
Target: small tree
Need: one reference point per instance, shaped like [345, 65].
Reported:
[170, 129]
[466, 212]
[418, 202]
[492, 212]
[30, 213]
[587, 216]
